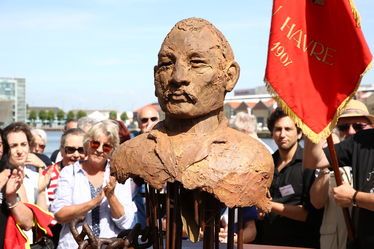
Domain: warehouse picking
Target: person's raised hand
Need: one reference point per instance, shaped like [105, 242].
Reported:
[109, 188]
[4, 176]
[14, 182]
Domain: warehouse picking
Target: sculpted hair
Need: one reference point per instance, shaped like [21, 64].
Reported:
[106, 127]
[13, 128]
[194, 24]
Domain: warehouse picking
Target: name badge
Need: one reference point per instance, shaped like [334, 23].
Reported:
[286, 190]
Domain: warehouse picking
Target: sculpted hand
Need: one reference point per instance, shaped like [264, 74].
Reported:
[109, 188]
[343, 195]
[4, 176]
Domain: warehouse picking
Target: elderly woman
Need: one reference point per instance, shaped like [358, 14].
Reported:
[40, 140]
[86, 188]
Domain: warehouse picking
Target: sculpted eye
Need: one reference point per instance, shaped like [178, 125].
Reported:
[197, 62]
[165, 62]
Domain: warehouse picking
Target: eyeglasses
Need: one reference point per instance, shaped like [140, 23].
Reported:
[96, 144]
[356, 126]
[72, 150]
[145, 120]
[40, 146]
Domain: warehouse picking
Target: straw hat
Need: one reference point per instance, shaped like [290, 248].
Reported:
[356, 108]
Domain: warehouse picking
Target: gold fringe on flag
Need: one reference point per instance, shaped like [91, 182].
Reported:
[355, 13]
[312, 135]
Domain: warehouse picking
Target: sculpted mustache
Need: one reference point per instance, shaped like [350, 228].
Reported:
[191, 97]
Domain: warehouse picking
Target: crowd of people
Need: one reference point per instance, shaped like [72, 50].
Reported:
[76, 181]
[305, 206]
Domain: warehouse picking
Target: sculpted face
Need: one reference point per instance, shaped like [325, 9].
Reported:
[192, 75]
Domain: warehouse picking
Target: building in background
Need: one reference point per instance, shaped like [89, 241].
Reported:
[12, 100]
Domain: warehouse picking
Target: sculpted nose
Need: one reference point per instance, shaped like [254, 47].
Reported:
[180, 75]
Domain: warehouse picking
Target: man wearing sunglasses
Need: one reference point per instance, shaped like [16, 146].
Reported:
[356, 152]
[147, 118]
[355, 118]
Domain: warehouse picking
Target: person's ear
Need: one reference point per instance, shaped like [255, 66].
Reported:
[233, 73]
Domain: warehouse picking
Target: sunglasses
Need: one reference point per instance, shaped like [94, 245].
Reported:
[40, 146]
[145, 120]
[96, 144]
[356, 126]
[72, 150]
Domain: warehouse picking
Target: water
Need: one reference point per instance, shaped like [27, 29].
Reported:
[53, 142]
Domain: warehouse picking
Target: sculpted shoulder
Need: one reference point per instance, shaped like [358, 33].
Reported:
[137, 157]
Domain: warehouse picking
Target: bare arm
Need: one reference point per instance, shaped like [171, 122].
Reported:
[295, 212]
[343, 196]
[68, 213]
[314, 156]
[365, 200]
[22, 214]
[249, 232]
[319, 190]
[44, 180]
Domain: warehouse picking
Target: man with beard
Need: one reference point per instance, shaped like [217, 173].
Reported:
[292, 221]
[193, 145]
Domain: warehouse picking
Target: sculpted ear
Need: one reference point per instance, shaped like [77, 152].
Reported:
[233, 73]
[155, 68]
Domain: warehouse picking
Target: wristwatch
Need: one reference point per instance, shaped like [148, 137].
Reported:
[354, 203]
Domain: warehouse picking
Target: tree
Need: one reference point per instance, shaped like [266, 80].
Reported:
[60, 115]
[81, 114]
[42, 115]
[124, 116]
[33, 116]
[70, 115]
[50, 116]
[113, 115]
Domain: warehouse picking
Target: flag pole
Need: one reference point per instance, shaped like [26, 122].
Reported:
[339, 181]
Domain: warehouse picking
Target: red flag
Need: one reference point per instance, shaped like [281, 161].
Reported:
[316, 57]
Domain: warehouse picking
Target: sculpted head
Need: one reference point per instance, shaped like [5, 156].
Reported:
[195, 70]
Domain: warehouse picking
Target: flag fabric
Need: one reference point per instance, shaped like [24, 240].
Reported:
[317, 56]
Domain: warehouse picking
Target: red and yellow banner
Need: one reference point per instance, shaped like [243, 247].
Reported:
[316, 57]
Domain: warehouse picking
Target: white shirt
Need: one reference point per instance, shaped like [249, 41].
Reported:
[73, 188]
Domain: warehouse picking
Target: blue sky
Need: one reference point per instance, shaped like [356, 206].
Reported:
[99, 54]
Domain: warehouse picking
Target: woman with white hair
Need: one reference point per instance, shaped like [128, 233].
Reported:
[86, 188]
[40, 140]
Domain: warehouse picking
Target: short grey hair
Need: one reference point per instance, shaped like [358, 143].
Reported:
[106, 127]
[85, 123]
[41, 133]
[244, 122]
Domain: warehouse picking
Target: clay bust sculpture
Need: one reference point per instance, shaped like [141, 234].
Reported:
[194, 144]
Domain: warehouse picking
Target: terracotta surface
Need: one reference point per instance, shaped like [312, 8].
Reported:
[194, 144]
